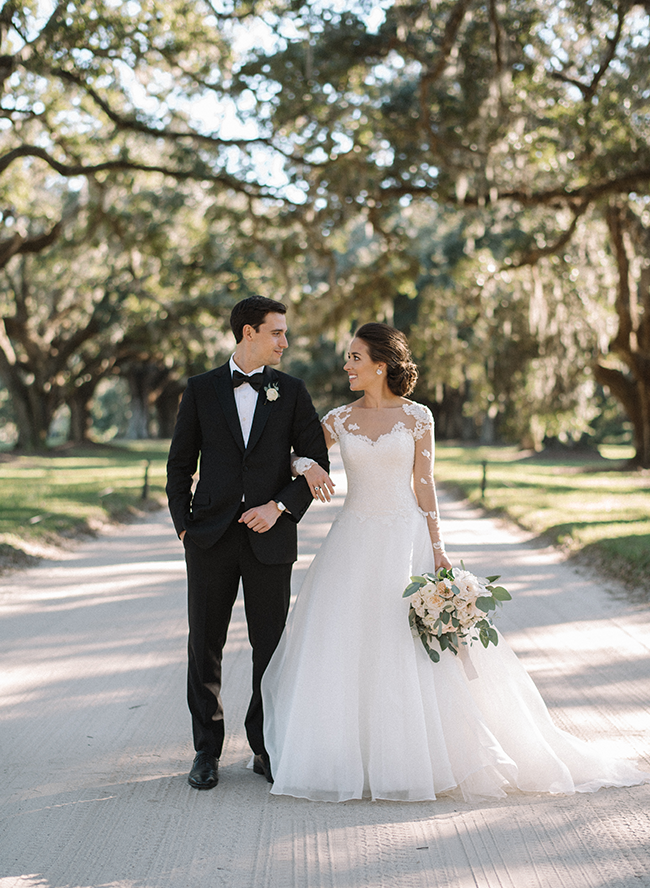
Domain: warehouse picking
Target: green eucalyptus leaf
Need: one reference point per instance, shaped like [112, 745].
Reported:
[485, 603]
[433, 655]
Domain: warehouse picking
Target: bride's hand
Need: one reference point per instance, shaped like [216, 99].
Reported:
[440, 559]
[320, 483]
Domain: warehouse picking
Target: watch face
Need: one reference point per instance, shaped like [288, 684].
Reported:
[281, 506]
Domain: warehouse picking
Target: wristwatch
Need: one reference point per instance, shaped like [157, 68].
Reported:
[281, 506]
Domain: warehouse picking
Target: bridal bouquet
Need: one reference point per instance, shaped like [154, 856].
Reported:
[452, 607]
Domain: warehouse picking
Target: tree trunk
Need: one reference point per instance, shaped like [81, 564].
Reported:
[631, 345]
[33, 407]
[142, 380]
[138, 427]
[451, 423]
[634, 396]
[80, 420]
[166, 405]
[78, 399]
[488, 434]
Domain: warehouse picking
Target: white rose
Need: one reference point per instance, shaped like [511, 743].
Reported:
[433, 601]
[469, 614]
[444, 588]
[467, 584]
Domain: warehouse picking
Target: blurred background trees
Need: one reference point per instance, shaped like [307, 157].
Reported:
[475, 173]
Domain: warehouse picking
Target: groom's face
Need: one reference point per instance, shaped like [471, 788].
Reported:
[269, 341]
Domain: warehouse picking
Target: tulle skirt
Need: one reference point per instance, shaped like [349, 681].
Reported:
[354, 708]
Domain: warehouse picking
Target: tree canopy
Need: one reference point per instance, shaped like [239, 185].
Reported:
[529, 122]
[475, 172]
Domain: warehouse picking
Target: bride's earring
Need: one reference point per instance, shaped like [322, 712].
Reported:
[378, 372]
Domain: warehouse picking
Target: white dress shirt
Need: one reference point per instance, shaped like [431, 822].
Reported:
[245, 399]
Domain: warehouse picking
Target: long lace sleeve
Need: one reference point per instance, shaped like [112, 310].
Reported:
[300, 464]
[423, 483]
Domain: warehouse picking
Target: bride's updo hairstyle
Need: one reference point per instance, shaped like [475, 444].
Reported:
[389, 346]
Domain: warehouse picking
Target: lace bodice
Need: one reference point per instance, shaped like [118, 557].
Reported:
[388, 456]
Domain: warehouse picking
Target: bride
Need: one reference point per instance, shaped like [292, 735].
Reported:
[353, 706]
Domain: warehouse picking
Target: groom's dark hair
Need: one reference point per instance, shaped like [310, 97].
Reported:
[253, 311]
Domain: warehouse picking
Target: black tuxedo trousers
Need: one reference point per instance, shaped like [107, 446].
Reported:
[220, 551]
[213, 580]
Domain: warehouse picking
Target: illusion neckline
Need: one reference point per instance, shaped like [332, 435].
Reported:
[396, 407]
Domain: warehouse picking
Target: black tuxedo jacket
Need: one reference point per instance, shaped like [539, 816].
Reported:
[208, 428]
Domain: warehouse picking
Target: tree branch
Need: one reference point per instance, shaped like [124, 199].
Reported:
[133, 124]
[78, 169]
[434, 71]
[552, 196]
[621, 342]
[19, 244]
[588, 90]
[495, 28]
[532, 257]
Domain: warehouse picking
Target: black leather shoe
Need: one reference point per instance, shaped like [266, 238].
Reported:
[204, 773]
[262, 765]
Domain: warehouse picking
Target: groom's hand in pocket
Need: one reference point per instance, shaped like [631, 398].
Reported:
[261, 518]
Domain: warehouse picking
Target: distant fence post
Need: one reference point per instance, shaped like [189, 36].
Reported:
[484, 479]
[145, 485]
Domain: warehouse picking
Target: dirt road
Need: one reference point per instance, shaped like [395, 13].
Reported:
[96, 747]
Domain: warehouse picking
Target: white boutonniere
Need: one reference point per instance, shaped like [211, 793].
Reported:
[272, 391]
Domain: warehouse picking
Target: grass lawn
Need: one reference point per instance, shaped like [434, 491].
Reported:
[45, 499]
[590, 504]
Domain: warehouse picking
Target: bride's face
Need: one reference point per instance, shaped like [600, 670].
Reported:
[362, 372]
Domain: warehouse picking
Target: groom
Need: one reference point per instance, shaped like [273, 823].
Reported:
[240, 423]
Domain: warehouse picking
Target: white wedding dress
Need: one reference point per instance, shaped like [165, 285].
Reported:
[353, 707]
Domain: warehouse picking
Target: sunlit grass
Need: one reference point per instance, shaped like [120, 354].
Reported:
[593, 503]
[49, 497]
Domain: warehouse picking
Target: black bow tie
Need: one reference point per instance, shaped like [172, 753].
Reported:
[255, 380]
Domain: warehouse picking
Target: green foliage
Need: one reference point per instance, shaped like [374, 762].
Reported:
[445, 167]
[522, 119]
[128, 235]
[102, 300]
